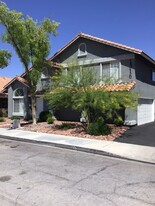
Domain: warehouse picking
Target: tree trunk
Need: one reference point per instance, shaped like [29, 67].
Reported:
[33, 106]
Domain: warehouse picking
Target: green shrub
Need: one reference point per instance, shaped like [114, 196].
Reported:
[43, 116]
[15, 117]
[66, 126]
[2, 119]
[118, 121]
[99, 128]
[50, 120]
[3, 112]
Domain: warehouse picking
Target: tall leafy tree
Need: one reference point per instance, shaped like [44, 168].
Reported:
[78, 89]
[5, 57]
[31, 41]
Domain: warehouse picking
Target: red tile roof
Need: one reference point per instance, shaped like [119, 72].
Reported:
[116, 87]
[121, 46]
[20, 79]
[119, 87]
[3, 82]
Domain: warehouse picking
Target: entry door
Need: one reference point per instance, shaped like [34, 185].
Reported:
[145, 111]
[39, 106]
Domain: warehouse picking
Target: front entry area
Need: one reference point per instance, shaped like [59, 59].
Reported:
[145, 113]
[39, 106]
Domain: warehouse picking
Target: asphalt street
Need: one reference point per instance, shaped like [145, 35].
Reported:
[38, 175]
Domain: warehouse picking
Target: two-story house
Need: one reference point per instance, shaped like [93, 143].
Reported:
[106, 58]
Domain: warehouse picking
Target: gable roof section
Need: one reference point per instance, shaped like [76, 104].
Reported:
[21, 77]
[3, 82]
[55, 65]
[18, 78]
[22, 80]
[103, 41]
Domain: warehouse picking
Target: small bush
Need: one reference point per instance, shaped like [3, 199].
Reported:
[3, 112]
[66, 126]
[2, 119]
[15, 118]
[99, 128]
[43, 116]
[50, 120]
[118, 121]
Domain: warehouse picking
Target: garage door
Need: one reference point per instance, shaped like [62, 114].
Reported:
[145, 113]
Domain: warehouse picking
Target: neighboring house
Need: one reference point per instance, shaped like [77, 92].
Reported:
[106, 58]
[3, 96]
[18, 103]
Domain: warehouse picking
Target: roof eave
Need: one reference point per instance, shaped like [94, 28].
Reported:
[109, 43]
[64, 47]
[14, 79]
[143, 54]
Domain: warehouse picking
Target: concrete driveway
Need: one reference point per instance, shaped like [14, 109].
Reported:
[140, 135]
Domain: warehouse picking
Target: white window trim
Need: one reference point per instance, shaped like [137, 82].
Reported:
[20, 113]
[119, 69]
[89, 62]
[79, 50]
[43, 76]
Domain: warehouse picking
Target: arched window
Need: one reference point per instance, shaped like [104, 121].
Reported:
[82, 50]
[18, 93]
[18, 102]
[44, 73]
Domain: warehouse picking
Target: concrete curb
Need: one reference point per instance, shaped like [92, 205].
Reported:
[76, 148]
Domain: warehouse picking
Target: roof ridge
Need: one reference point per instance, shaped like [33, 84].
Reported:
[110, 42]
[101, 40]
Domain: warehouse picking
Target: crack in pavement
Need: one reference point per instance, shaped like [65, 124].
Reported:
[114, 192]
[95, 173]
[102, 195]
[27, 158]
[23, 193]
[98, 196]
[134, 198]
[137, 183]
[57, 176]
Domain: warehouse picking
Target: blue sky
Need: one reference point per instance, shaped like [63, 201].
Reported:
[129, 22]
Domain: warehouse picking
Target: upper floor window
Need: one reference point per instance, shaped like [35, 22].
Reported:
[18, 102]
[111, 70]
[44, 73]
[82, 50]
[115, 70]
[18, 93]
[45, 84]
[153, 76]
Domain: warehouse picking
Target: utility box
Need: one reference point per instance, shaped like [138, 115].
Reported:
[15, 123]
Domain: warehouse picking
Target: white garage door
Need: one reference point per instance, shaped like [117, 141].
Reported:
[145, 111]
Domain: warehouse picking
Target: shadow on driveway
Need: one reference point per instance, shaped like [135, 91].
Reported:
[140, 135]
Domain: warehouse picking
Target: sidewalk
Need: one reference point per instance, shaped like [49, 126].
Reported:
[123, 150]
